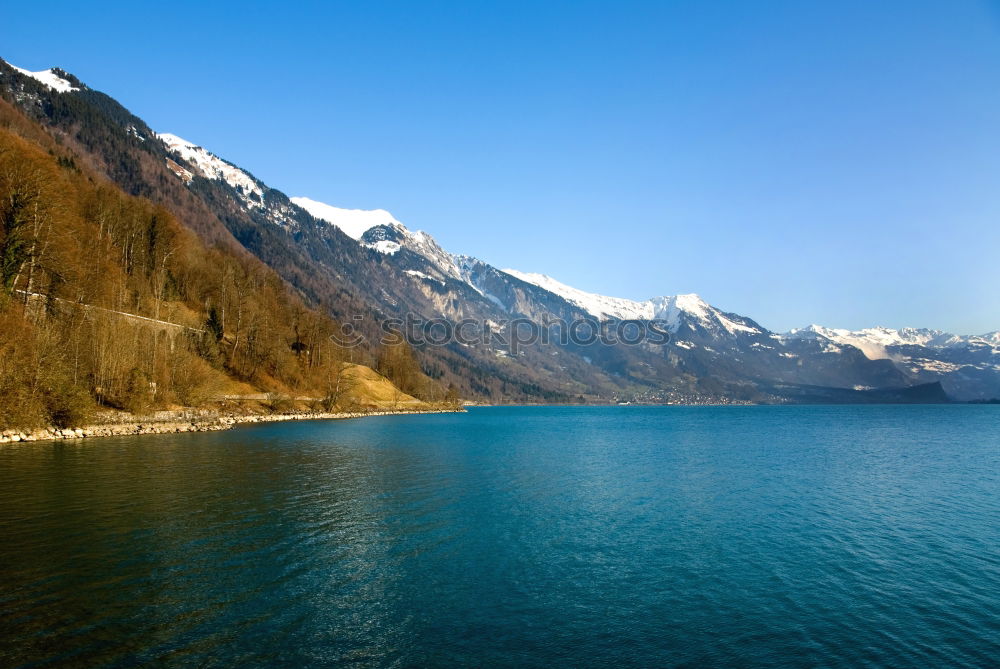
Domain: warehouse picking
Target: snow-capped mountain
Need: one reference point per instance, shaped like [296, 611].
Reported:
[875, 342]
[889, 344]
[368, 262]
[814, 355]
[967, 365]
[379, 230]
[669, 308]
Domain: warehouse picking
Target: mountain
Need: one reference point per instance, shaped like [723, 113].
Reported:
[723, 346]
[367, 269]
[967, 366]
[107, 301]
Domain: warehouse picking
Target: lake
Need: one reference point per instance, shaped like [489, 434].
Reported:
[514, 536]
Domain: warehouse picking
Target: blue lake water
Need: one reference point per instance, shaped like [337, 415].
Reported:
[539, 536]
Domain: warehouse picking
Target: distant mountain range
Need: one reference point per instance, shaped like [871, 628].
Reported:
[368, 264]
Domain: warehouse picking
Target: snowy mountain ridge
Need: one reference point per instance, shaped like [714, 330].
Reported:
[599, 306]
[49, 78]
[380, 230]
[875, 342]
[358, 223]
[668, 308]
[354, 222]
[213, 167]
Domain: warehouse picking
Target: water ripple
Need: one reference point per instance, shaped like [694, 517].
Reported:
[676, 536]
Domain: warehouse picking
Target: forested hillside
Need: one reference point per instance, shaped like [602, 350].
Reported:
[106, 300]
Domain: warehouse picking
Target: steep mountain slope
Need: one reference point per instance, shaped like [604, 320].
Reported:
[106, 301]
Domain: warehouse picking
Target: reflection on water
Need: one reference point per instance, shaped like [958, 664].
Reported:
[533, 536]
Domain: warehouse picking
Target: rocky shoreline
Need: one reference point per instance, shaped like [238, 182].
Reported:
[199, 424]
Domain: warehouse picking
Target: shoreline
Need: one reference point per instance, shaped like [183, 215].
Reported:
[180, 425]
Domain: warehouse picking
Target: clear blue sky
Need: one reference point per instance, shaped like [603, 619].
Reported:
[797, 162]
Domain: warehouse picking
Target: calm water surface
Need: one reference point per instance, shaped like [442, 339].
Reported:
[668, 536]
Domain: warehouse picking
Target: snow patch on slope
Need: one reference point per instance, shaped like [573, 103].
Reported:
[423, 244]
[385, 247]
[213, 167]
[50, 79]
[599, 306]
[354, 222]
[421, 275]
